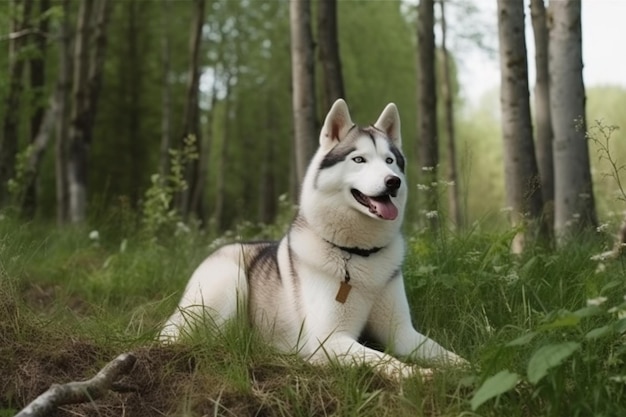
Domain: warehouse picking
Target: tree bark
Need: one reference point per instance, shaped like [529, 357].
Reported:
[62, 122]
[543, 122]
[328, 41]
[191, 124]
[220, 186]
[87, 83]
[428, 147]
[303, 83]
[166, 94]
[11, 121]
[37, 85]
[454, 204]
[573, 190]
[523, 187]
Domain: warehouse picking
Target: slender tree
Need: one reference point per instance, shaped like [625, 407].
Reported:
[428, 146]
[329, 52]
[37, 66]
[573, 190]
[89, 52]
[523, 188]
[543, 122]
[303, 84]
[9, 138]
[63, 90]
[189, 202]
[454, 204]
[166, 92]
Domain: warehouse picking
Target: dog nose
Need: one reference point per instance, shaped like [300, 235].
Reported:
[392, 182]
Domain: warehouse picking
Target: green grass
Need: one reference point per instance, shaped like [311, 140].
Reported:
[69, 304]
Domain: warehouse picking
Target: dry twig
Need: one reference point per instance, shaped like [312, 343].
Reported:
[82, 391]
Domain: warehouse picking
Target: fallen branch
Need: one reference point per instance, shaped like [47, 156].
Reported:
[82, 391]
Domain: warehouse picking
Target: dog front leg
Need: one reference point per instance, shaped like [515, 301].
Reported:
[390, 324]
[346, 351]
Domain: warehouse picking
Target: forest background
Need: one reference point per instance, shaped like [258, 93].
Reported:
[245, 108]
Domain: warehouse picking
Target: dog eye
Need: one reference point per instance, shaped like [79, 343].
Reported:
[389, 160]
[358, 159]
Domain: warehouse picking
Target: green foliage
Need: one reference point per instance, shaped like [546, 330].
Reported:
[17, 185]
[498, 384]
[159, 216]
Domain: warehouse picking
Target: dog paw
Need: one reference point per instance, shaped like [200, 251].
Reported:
[400, 371]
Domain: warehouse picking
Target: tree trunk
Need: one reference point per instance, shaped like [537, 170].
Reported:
[523, 188]
[166, 94]
[10, 129]
[191, 123]
[37, 127]
[428, 148]
[330, 60]
[220, 186]
[134, 90]
[303, 82]
[62, 125]
[87, 83]
[267, 203]
[543, 122]
[573, 190]
[454, 204]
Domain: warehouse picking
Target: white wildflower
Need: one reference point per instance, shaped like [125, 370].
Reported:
[594, 302]
[602, 227]
[431, 214]
[94, 235]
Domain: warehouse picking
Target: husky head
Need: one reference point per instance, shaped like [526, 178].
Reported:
[354, 191]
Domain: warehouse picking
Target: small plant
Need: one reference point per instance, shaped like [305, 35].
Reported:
[17, 185]
[601, 135]
[567, 347]
[159, 214]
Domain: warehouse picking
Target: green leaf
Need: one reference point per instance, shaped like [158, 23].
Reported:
[523, 340]
[493, 386]
[588, 311]
[610, 286]
[620, 326]
[565, 320]
[548, 357]
[599, 332]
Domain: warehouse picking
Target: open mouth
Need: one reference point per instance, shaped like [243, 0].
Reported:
[380, 205]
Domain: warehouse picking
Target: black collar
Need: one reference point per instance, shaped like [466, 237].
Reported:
[358, 251]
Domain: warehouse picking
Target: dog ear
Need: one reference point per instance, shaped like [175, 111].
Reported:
[336, 125]
[389, 122]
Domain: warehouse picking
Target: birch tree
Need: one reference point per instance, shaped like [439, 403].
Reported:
[543, 122]
[303, 84]
[9, 138]
[62, 123]
[191, 200]
[454, 204]
[573, 190]
[89, 52]
[523, 188]
[428, 147]
[329, 52]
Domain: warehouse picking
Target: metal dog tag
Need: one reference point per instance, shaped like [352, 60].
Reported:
[344, 290]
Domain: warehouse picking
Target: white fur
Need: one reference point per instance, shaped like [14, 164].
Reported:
[293, 304]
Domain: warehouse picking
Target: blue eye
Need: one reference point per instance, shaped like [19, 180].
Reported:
[389, 160]
[358, 159]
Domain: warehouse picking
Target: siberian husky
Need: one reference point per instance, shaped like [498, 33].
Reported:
[337, 272]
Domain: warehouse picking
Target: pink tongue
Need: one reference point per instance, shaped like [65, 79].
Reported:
[384, 208]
